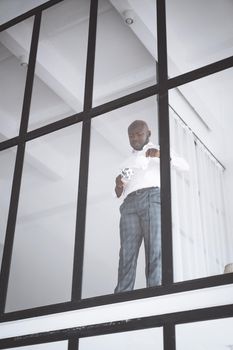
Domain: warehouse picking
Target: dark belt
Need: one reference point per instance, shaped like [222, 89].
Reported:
[141, 190]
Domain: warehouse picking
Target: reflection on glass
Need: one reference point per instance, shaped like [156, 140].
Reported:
[110, 156]
[197, 36]
[201, 129]
[8, 13]
[7, 162]
[61, 345]
[61, 60]
[14, 52]
[125, 48]
[206, 335]
[41, 269]
[149, 339]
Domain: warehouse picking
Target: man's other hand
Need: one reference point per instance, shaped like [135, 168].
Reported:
[153, 152]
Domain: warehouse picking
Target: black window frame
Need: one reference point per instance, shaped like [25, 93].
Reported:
[167, 322]
[159, 91]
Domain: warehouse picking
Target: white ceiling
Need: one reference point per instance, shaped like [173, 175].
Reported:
[12, 8]
[198, 32]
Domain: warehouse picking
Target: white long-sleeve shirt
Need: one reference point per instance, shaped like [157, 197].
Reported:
[146, 170]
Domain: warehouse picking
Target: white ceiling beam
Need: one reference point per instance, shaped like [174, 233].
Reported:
[51, 68]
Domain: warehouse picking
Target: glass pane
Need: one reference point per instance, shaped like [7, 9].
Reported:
[61, 63]
[201, 133]
[12, 9]
[148, 339]
[198, 33]
[7, 163]
[14, 52]
[61, 345]
[125, 53]
[206, 335]
[110, 156]
[41, 268]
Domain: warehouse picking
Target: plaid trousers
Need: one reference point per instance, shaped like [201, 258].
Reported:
[140, 220]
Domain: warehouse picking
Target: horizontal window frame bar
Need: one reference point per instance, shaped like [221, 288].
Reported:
[201, 72]
[144, 293]
[6, 144]
[172, 319]
[82, 116]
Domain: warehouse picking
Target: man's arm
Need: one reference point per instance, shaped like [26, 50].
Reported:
[119, 186]
[178, 162]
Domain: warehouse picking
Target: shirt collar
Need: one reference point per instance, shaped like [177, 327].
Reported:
[144, 147]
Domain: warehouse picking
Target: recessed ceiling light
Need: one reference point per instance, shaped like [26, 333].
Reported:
[23, 61]
[128, 16]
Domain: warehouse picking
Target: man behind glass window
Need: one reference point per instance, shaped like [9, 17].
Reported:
[139, 183]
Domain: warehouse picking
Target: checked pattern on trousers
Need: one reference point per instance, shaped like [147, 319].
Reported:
[140, 221]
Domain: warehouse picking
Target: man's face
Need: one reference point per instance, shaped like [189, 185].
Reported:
[138, 136]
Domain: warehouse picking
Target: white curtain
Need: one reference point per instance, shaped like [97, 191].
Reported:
[200, 237]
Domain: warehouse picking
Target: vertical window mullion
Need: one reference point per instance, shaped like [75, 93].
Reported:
[73, 344]
[163, 113]
[11, 223]
[84, 158]
[12, 216]
[30, 77]
[169, 337]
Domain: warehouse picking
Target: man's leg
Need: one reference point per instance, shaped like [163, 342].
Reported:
[131, 238]
[151, 223]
